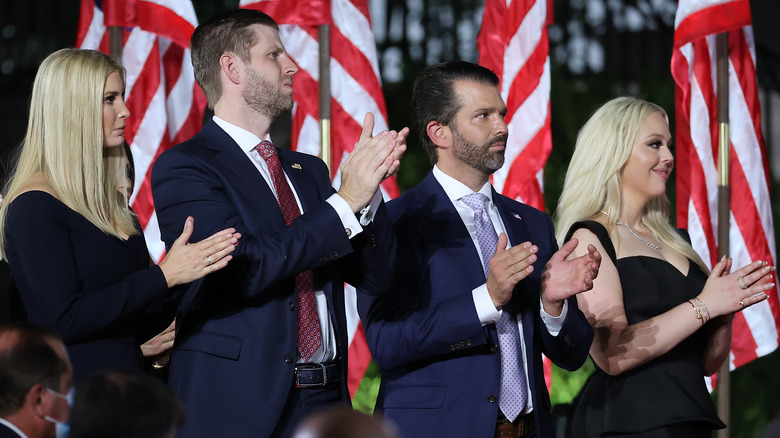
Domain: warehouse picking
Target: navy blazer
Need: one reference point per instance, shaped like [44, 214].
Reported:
[440, 367]
[235, 347]
[7, 432]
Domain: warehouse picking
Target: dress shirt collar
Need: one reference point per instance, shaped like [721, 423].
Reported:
[456, 189]
[13, 427]
[245, 139]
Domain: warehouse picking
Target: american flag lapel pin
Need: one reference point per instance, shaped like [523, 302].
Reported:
[517, 216]
[296, 166]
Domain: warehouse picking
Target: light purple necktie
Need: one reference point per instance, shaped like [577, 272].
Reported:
[514, 392]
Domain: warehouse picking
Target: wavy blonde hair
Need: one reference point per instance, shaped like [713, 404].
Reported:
[594, 179]
[64, 141]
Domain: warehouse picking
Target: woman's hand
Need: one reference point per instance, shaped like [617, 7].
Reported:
[725, 293]
[187, 262]
[160, 344]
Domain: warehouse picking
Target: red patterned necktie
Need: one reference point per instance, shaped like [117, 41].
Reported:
[309, 337]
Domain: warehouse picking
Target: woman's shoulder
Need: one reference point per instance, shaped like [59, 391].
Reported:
[593, 232]
[588, 227]
[36, 186]
[34, 193]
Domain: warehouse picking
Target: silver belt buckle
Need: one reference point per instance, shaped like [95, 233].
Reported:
[311, 366]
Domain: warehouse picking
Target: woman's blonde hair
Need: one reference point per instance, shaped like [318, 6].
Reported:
[64, 141]
[592, 187]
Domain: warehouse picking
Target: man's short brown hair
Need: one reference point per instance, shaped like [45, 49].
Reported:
[229, 32]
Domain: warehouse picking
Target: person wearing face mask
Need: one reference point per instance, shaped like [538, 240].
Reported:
[36, 380]
[75, 248]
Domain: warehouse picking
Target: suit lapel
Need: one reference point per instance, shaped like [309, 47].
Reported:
[301, 179]
[445, 222]
[234, 162]
[518, 232]
[516, 228]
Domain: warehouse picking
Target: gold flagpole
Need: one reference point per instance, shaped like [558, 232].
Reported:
[323, 33]
[724, 204]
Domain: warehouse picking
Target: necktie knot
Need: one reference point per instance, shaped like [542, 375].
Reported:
[266, 149]
[475, 201]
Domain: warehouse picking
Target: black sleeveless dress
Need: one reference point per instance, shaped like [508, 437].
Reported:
[667, 396]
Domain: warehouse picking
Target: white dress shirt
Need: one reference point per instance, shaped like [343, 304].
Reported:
[247, 141]
[486, 310]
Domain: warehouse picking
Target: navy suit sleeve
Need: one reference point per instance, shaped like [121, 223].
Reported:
[569, 349]
[45, 265]
[187, 184]
[371, 267]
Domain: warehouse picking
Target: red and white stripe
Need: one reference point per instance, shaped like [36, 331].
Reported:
[751, 234]
[165, 102]
[513, 43]
[355, 90]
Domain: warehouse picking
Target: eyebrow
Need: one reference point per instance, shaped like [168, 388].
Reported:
[490, 109]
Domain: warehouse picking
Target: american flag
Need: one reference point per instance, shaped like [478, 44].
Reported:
[513, 43]
[165, 102]
[355, 89]
[751, 234]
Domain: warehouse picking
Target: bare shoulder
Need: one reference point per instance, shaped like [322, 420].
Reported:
[586, 237]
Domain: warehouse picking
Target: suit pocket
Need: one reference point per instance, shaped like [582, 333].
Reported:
[414, 397]
[215, 344]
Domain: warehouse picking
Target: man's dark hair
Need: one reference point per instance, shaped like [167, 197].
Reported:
[124, 404]
[27, 358]
[434, 99]
[229, 32]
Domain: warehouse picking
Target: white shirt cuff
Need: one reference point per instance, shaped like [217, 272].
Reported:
[351, 225]
[553, 323]
[368, 212]
[486, 310]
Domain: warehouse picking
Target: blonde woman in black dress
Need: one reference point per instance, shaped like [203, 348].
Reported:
[662, 320]
[75, 248]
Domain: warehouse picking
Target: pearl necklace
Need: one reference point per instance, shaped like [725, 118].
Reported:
[656, 247]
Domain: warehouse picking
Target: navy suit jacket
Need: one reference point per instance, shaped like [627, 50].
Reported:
[235, 347]
[7, 432]
[440, 366]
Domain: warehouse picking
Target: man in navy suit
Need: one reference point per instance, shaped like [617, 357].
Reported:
[460, 337]
[263, 342]
[35, 376]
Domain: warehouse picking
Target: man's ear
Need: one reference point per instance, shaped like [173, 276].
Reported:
[228, 63]
[440, 134]
[35, 400]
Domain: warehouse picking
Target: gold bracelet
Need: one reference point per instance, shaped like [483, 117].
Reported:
[703, 309]
[698, 312]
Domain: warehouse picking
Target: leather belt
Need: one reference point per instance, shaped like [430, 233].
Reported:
[522, 426]
[316, 375]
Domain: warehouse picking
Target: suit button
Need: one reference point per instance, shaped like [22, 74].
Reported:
[453, 348]
[468, 342]
[493, 348]
[491, 398]
[291, 305]
[288, 359]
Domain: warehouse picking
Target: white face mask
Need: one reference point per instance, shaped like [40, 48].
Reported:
[61, 427]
